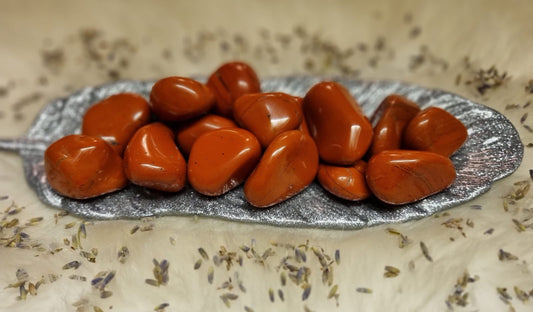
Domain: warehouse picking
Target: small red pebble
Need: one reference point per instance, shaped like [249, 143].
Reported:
[288, 166]
[401, 176]
[180, 98]
[81, 166]
[391, 118]
[187, 134]
[222, 159]
[345, 182]
[153, 160]
[337, 124]
[231, 81]
[116, 118]
[434, 129]
[268, 114]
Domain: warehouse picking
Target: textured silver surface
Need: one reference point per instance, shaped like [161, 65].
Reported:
[493, 150]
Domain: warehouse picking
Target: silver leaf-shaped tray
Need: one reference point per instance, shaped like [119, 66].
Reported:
[493, 150]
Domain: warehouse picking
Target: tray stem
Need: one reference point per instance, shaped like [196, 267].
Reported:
[22, 144]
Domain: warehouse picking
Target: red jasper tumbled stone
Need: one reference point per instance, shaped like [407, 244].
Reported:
[187, 134]
[116, 118]
[231, 81]
[82, 166]
[434, 129]
[180, 98]
[288, 165]
[337, 124]
[403, 176]
[268, 114]
[222, 159]
[391, 118]
[347, 182]
[153, 160]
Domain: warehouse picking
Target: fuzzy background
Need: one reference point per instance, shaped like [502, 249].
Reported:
[481, 252]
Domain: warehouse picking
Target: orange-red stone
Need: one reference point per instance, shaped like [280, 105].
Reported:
[404, 176]
[345, 182]
[391, 118]
[288, 166]
[337, 124]
[116, 118]
[81, 166]
[153, 160]
[231, 81]
[434, 129]
[187, 134]
[180, 98]
[222, 159]
[268, 114]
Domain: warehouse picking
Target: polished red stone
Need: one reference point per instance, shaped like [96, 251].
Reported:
[268, 114]
[187, 134]
[434, 129]
[180, 98]
[404, 176]
[288, 166]
[231, 81]
[347, 182]
[116, 118]
[81, 166]
[337, 124]
[222, 159]
[391, 118]
[153, 160]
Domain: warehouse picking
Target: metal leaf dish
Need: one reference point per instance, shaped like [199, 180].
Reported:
[492, 151]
